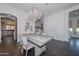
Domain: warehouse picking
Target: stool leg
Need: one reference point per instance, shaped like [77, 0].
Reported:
[24, 52]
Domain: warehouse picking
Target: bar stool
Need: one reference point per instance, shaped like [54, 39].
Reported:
[24, 45]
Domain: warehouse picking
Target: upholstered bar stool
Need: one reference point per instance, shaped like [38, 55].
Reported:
[25, 45]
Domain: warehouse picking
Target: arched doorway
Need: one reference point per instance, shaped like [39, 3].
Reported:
[8, 27]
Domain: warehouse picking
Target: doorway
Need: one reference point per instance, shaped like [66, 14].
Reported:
[8, 29]
[74, 23]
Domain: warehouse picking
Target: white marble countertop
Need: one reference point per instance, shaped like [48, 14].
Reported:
[39, 40]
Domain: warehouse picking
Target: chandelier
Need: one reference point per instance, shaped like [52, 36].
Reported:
[36, 13]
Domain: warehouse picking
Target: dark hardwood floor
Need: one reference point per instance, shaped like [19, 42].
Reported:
[58, 48]
[9, 47]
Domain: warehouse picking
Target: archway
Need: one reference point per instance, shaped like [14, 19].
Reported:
[8, 26]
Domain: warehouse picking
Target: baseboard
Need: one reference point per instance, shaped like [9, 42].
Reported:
[62, 40]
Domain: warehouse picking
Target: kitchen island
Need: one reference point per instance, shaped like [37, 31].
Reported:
[39, 42]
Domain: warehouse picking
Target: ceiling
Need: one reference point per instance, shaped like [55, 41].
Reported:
[44, 8]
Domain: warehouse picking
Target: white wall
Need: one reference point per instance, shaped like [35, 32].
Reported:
[56, 25]
[21, 16]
